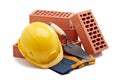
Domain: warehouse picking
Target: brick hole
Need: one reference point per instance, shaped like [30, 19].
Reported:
[91, 37]
[36, 11]
[101, 46]
[95, 27]
[87, 17]
[94, 44]
[91, 29]
[97, 43]
[90, 33]
[93, 41]
[88, 13]
[97, 48]
[94, 36]
[98, 35]
[87, 22]
[45, 12]
[39, 12]
[52, 13]
[84, 22]
[88, 30]
[61, 14]
[98, 31]
[98, 39]
[80, 15]
[84, 14]
[66, 15]
[94, 23]
[104, 45]
[94, 32]
[91, 25]
[86, 26]
[83, 19]
[71, 27]
[91, 16]
[57, 13]
[92, 20]
[102, 42]
[101, 38]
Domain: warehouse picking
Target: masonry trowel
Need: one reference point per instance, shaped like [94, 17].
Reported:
[69, 48]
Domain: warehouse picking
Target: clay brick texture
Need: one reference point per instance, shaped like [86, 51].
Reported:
[62, 19]
[89, 32]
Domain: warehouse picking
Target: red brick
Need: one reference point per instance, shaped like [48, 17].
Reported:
[16, 52]
[89, 32]
[62, 19]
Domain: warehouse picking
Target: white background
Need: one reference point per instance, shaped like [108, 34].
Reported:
[14, 16]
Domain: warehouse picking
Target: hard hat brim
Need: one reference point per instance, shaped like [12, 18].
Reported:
[41, 65]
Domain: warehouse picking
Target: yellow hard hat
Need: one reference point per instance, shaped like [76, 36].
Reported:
[40, 45]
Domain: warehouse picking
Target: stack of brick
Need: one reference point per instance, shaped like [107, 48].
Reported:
[62, 19]
[82, 25]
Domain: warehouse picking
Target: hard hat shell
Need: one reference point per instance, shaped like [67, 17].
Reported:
[40, 45]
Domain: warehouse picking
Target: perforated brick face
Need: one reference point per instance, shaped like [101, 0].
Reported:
[89, 32]
[52, 14]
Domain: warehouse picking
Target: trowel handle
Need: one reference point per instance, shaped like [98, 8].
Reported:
[57, 29]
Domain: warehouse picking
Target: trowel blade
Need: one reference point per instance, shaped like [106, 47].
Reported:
[76, 50]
